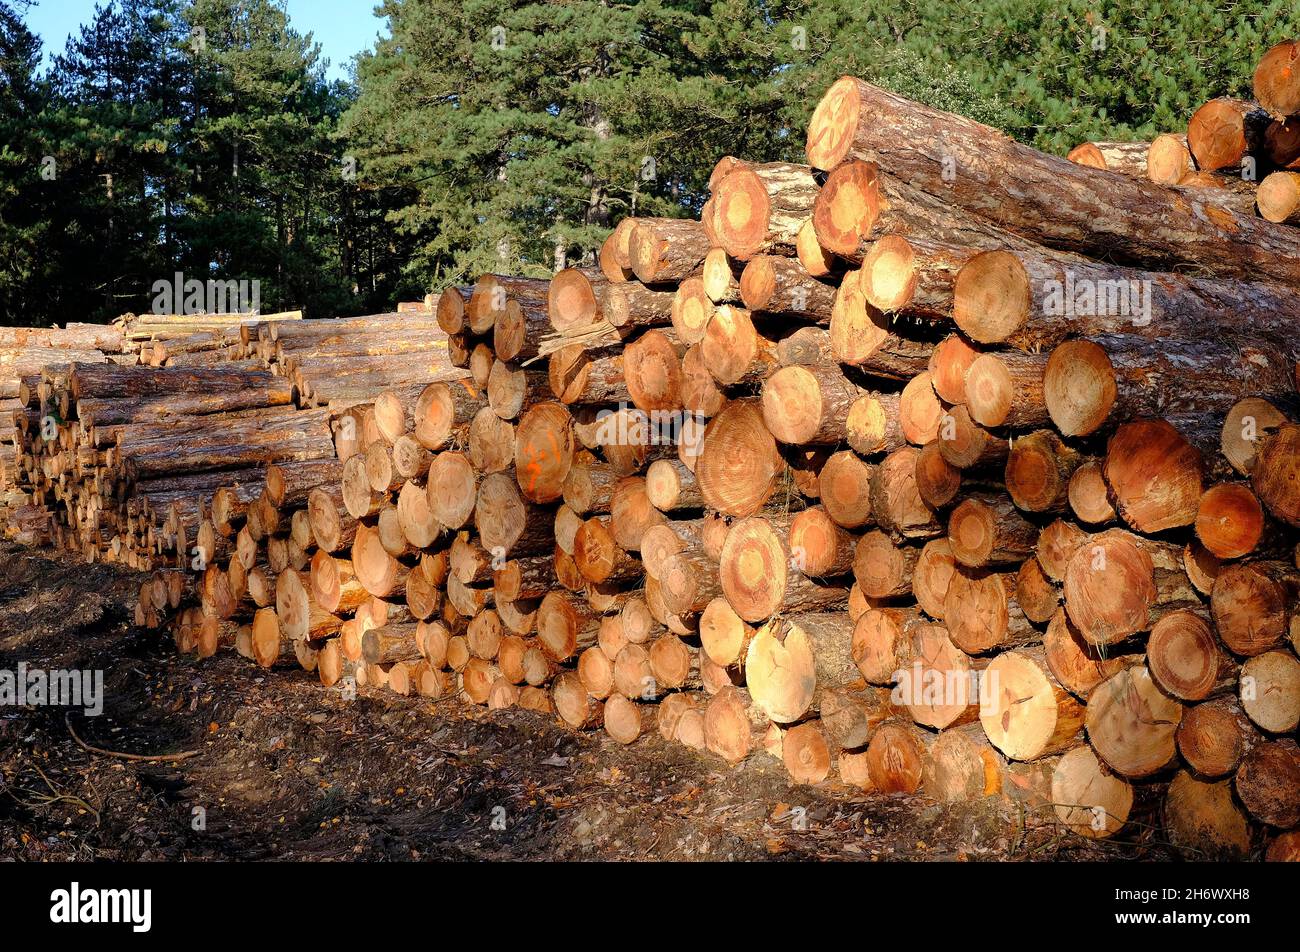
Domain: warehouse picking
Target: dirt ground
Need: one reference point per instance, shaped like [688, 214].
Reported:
[285, 769]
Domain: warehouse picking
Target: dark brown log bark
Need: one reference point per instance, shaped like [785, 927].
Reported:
[667, 250]
[1034, 300]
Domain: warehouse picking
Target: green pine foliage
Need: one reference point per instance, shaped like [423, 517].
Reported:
[201, 136]
[23, 229]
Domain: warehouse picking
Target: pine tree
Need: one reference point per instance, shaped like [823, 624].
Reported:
[22, 97]
[513, 137]
[265, 175]
[113, 131]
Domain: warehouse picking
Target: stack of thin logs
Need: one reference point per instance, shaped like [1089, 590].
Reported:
[278, 552]
[122, 457]
[433, 522]
[349, 360]
[23, 354]
[158, 337]
[347, 569]
[38, 448]
[383, 537]
[124, 461]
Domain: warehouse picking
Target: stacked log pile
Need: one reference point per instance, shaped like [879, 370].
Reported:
[936, 464]
[160, 339]
[123, 461]
[24, 353]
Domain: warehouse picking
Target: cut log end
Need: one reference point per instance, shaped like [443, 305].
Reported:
[1079, 387]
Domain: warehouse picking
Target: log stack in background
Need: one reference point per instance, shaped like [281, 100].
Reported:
[24, 354]
[935, 465]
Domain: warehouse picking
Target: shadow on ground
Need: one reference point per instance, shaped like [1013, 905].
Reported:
[285, 769]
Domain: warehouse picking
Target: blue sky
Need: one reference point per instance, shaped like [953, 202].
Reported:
[342, 27]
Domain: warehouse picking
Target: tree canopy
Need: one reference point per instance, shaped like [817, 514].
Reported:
[202, 137]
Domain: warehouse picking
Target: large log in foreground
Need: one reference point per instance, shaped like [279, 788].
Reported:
[1053, 201]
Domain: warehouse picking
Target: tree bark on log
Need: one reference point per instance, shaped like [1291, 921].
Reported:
[1033, 301]
[759, 209]
[1052, 201]
[667, 250]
